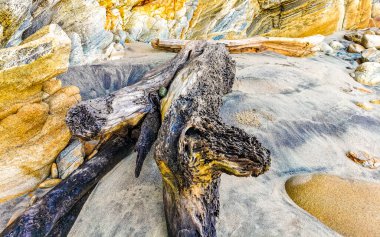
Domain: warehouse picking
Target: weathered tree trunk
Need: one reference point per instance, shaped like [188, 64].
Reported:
[42, 217]
[194, 147]
[295, 47]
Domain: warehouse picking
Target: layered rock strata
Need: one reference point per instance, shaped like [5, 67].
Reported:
[237, 19]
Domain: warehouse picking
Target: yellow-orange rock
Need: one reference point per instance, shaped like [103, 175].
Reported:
[33, 106]
[235, 19]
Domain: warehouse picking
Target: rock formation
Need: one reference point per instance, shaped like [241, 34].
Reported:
[33, 105]
[145, 20]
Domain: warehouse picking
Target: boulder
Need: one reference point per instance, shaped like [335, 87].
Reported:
[371, 55]
[371, 41]
[368, 73]
[355, 36]
[355, 48]
[33, 105]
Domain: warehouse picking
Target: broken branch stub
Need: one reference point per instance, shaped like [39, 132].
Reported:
[194, 147]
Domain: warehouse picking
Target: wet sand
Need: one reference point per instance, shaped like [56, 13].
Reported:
[350, 207]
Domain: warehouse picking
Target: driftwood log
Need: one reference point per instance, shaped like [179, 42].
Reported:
[194, 147]
[50, 216]
[98, 118]
[295, 47]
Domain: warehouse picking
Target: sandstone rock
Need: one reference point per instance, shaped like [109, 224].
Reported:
[70, 159]
[54, 171]
[355, 48]
[371, 55]
[354, 36]
[33, 106]
[371, 41]
[336, 45]
[368, 73]
[144, 21]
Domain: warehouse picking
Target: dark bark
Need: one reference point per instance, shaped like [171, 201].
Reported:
[194, 147]
[41, 218]
[148, 135]
[63, 227]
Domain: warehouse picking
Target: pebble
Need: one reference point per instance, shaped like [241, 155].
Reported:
[162, 91]
[54, 171]
[324, 47]
[355, 37]
[371, 55]
[371, 41]
[364, 106]
[355, 48]
[368, 73]
[49, 183]
[32, 200]
[336, 45]
[15, 215]
[364, 159]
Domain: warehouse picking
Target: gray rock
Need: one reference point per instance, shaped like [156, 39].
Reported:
[354, 36]
[324, 47]
[84, 18]
[355, 48]
[371, 41]
[336, 45]
[371, 55]
[368, 73]
[77, 55]
[70, 159]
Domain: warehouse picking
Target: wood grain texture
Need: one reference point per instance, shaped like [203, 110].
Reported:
[194, 147]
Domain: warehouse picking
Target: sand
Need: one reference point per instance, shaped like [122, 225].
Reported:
[350, 207]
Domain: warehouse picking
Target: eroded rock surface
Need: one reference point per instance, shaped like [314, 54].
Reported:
[187, 19]
[33, 105]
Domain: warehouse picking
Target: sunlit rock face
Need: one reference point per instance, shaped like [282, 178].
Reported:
[84, 22]
[33, 105]
[201, 19]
